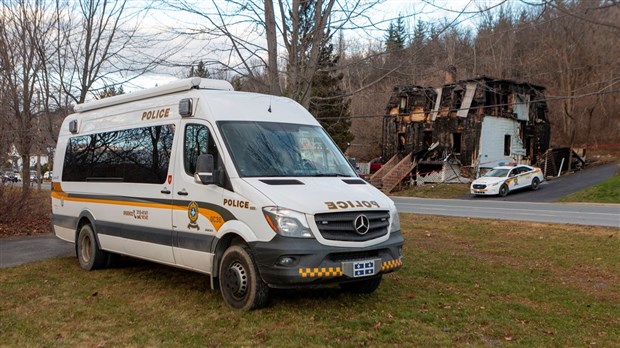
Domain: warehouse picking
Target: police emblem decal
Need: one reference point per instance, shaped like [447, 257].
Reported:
[192, 214]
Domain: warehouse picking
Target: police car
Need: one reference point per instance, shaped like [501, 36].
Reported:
[504, 179]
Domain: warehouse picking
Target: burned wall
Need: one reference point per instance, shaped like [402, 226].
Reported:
[451, 116]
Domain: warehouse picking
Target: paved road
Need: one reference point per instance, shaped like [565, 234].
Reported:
[19, 250]
[556, 188]
[579, 214]
[528, 205]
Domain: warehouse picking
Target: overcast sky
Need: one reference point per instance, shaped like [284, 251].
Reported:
[382, 15]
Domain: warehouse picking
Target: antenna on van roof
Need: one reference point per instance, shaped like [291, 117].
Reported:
[269, 109]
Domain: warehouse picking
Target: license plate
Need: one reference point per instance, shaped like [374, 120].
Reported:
[363, 268]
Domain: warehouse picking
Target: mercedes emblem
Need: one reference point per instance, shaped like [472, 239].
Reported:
[361, 224]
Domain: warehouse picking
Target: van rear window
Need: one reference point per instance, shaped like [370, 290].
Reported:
[139, 155]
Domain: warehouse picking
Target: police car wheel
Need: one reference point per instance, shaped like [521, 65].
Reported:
[365, 286]
[535, 184]
[88, 252]
[503, 190]
[240, 283]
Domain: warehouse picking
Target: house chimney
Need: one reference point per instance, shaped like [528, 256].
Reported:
[450, 75]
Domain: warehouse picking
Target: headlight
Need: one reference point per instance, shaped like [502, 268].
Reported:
[494, 184]
[287, 223]
[395, 226]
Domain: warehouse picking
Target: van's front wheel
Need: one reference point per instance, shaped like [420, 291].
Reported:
[240, 284]
[88, 252]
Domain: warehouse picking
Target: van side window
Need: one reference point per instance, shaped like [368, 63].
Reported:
[198, 140]
[139, 155]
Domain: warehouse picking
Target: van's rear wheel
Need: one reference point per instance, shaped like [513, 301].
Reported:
[88, 252]
[240, 284]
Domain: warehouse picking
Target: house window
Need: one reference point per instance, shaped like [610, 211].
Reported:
[456, 143]
[428, 138]
[507, 145]
[403, 105]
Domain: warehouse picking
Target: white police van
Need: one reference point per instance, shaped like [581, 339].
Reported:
[244, 187]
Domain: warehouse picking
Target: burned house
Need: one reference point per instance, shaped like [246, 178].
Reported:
[467, 126]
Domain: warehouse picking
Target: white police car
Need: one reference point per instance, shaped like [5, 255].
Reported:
[501, 180]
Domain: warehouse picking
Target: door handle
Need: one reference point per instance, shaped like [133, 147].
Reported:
[165, 191]
[182, 193]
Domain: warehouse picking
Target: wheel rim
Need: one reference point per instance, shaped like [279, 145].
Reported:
[503, 190]
[535, 183]
[237, 280]
[85, 248]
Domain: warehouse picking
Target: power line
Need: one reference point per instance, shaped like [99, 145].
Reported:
[547, 99]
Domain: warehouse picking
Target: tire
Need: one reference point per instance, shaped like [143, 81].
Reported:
[535, 184]
[88, 253]
[240, 283]
[503, 190]
[365, 286]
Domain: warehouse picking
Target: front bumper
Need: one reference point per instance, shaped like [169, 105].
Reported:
[489, 190]
[315, 263]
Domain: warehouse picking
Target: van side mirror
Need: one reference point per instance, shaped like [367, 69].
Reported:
[204, 169]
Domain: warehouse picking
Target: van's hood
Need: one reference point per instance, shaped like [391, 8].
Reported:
[325, 194]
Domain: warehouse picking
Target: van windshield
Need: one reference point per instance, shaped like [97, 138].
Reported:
[268, 149]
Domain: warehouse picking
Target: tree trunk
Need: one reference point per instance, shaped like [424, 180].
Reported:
[272, 49]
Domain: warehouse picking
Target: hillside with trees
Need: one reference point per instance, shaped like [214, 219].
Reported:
[571, 48]
[54, 54]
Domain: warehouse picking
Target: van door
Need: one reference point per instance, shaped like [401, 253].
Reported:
[196, 214]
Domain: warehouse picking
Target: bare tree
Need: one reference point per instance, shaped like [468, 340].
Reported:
[581, 61]
[100, 44]
[23, 31]
[255, 31]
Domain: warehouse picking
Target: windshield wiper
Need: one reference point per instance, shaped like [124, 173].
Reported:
[338, 175]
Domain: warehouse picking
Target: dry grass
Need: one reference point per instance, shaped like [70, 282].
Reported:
[465, 282]
[437, 190]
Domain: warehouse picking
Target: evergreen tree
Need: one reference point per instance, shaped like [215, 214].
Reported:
[328, 104]
[200, 71]
[396, 35]
[419, 35]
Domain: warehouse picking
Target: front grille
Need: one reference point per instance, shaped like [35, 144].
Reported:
[340, 226]
[480, 186]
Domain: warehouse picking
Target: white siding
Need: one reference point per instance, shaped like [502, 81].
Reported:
[522, 107]
[437, 103]
[492, 141]
[470, 91]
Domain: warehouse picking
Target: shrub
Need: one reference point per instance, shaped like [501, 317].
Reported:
[23, 212]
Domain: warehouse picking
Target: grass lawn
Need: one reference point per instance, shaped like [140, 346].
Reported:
[439, 190]
[606, 192]
[465, 282]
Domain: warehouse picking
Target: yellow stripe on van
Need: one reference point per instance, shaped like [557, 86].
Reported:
[217, 220]
[69, 198]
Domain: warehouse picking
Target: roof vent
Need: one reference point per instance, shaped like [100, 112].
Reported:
[172, 87]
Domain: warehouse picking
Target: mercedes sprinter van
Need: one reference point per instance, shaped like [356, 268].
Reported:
[244, 187]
